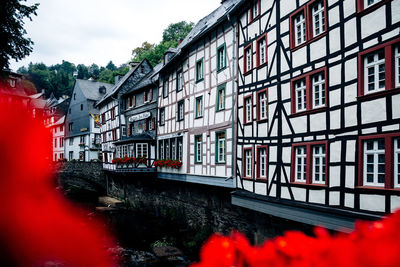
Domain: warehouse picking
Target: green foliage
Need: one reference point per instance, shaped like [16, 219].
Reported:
[171, 36]
[12, 43]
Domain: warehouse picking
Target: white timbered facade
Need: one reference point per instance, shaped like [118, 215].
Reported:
[196, 102]
[319, 108]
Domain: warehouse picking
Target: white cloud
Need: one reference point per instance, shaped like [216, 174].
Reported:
[90, 31]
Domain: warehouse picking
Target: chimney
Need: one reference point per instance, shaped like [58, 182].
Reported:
[180, 41]
[116, 79]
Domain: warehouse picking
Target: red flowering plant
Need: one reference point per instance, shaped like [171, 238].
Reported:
[370, 244]
[129, 160]
[167, 163]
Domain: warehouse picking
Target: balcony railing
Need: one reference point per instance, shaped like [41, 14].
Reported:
[146, 166]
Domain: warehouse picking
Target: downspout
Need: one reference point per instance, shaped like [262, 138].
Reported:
[233, 100]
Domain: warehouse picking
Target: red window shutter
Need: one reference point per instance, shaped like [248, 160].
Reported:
[134, 101]
[153, 123]
[129, 130]
[145, 125]
[103, 118]
[151, 95]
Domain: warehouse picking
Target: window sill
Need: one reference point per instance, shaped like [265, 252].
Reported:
[221, 69]
[248, 123]
[371, 8]
[247, 178]
[261, 179]
[292, 49]
[379, 94]
[202, 79]
[262, 65]
[308, 184]
[218, 110]
[220, 163]
[247, 72]
[262, 120]
[378, 188]
[306, 112]
[198, 117]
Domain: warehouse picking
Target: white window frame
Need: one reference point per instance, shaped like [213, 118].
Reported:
[221, 98]
[221, 146]
[221, 57]
[255, 9]
[397, 65]
[181, 110]
[299, 28]
[375, 152]
[318, 16]
[173, 148]
[166, 87]
[199, 70]
[263, 51]
[180, 148]
[300, 95]
[375, 65]
[199, 148]
[320, 156]
[367, 4]
[318, 86]
[141, 150]
[249, 111]
[199, 107]
[397, 162]
[262, 100]
[262, 152]
[162, 116]
[301, 161]
[248, 161]
[248, 55]
[179, 77]
[162, 150]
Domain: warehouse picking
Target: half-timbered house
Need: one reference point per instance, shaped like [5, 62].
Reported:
[319, 109]
[113, 122]
[196, 102]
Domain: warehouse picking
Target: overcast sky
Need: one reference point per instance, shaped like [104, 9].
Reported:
[97, 31]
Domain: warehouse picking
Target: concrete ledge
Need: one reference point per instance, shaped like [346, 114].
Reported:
[198, 179]
[330, 218]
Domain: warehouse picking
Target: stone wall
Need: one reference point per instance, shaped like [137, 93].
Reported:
[199, 206]
[85, 176]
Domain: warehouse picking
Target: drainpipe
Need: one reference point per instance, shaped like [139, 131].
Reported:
[233, 99]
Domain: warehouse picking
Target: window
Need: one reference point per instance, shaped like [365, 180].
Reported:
[74, 96]
[161, 152]
[378, 69]
[248, 58]
[141, 150]
[179, 80]
[165, 87]
[308, 23]
[318, 18]
[309, 91]
[123, 130]
[221, 57]
[374, 162]
[71, 141]
[318, 86]
[82, 140]
[255, 10]
[247, 162]
[173, 148]
[262, 102]
[167, 149]
[61, 142]
[199, 107]
[180, 148]
[221, 97]
[299, 28]
[262, 162]
[369, 4]
[61, 128]
[319, 164]
[199, 70]
[162, 116]
[69, 111]
[81, 106]
[181, 110]
[55, 142]
[262, 50]
[309, 163]
[300, 165]
[248, 109]
[70, 155]
[70, 126]
[198, 149]
[82, 155]
[397, 65]
[220, 147]
[374, 72]
[379, 161]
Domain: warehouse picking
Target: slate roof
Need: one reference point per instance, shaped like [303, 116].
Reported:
[207, 23]
[90, 89]
[121, 81]
[149, 79]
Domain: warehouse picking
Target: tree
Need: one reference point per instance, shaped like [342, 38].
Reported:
[94, 71]
[111, 66]
[171, 36]
[83, 72]
[12, 43]
[177, 31]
